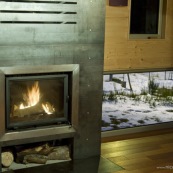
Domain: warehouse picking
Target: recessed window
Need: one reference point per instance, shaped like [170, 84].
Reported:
[147, 19]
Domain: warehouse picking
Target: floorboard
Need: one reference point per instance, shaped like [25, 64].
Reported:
[150, 152]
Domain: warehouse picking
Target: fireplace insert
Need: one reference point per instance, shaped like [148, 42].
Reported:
[36, 100]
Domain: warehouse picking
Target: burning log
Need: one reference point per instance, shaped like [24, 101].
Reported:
[7, 158]
[33, 110]
[38, 109]
[32, 104]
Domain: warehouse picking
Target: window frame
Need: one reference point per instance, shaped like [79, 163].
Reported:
[160, 33]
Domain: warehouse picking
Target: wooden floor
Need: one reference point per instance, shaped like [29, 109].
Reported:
[144, 153]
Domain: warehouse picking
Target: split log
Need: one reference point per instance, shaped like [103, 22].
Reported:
[40, 150]
[60, 153]
[7, 158]
[35, 150]
[42, 153]
[35, 158]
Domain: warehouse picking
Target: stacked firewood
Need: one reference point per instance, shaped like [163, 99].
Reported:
[40, 155]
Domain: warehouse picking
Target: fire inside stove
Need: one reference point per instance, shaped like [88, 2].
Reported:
[36, 100]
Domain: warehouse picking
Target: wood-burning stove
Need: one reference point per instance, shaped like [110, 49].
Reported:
[61, 122]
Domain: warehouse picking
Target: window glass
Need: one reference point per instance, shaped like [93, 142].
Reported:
[146, 17]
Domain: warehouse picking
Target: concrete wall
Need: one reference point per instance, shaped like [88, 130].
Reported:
[78, 40]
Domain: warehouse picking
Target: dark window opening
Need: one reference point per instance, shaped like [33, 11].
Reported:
[145, 16]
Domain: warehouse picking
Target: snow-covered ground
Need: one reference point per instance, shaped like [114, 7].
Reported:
[124, 111]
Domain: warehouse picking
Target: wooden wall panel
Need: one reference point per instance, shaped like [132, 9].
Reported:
[122, 53]
[116, 29]
[112, 11]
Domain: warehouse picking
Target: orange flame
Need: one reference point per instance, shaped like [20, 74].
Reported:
[49, 109]
[32, 97]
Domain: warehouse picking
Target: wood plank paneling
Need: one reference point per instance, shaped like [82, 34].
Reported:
[116, 29]
[124, 53]
[112, 11]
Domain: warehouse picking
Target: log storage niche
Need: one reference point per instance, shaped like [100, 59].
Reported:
[40, 153]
